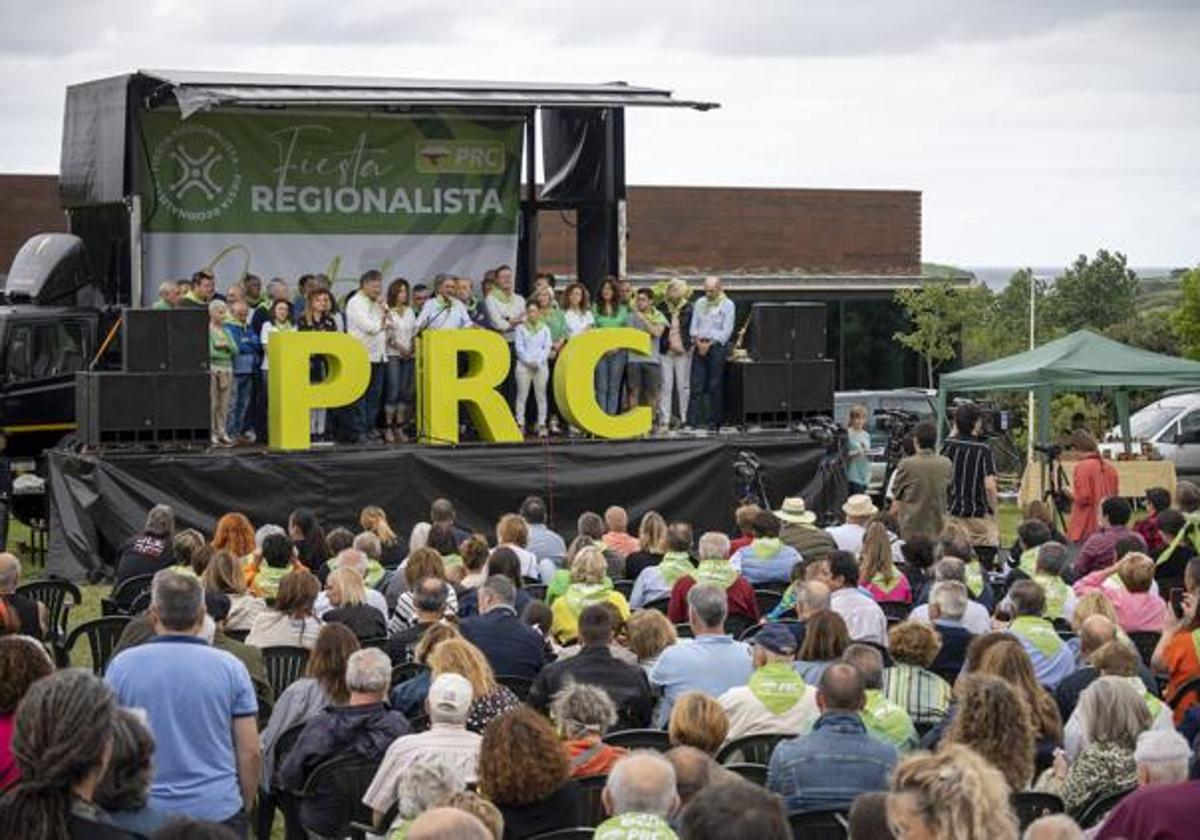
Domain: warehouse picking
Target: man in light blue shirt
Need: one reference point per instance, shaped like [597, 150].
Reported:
[444, 311]
[546, 545]
[200, 706]
[712, 662]
[712, 325]
[766, 559]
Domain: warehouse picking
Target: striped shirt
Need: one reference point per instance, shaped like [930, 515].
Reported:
[973, 462]
[924, 694]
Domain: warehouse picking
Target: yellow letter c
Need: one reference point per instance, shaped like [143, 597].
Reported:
[574, 388]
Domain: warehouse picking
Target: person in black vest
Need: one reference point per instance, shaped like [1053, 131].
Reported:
[150, 550]
[595, 665]
[18, 614]
[512, 648]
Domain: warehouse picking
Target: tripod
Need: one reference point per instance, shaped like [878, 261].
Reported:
[1054, 480]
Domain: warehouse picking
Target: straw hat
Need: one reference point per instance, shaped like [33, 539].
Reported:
[859, 504]
[795, 511]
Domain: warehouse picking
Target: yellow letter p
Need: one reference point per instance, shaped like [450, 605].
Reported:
[290, 394]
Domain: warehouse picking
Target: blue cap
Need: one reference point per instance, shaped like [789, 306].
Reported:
[776, 638]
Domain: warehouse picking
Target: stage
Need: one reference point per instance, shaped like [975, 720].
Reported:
[99, 500]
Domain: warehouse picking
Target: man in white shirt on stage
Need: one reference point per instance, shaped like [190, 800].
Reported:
[444, 311]
[365, 317]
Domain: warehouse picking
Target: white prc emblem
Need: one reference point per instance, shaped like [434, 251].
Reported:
[196, 172]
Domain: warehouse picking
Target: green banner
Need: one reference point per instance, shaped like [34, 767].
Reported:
[268, 173]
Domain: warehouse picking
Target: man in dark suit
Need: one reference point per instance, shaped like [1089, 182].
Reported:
[512, 648]
[595, 665]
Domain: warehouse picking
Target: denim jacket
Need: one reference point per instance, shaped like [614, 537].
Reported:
[246, 359]
[831, 765]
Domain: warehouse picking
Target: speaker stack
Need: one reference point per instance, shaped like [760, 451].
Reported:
[787, 375]
[161, 395]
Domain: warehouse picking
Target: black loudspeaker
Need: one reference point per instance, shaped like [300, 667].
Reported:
[160, 340]
[777, 391]
[782, 332]
[145, 408]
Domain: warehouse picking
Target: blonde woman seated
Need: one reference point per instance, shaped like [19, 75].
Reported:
[951, 795]
[348, 602]
[225, 575]
[588, 585]
[697, 720]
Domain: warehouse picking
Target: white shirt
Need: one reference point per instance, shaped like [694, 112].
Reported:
[504, 314]
[748, 716]
[529, 561]
[976, 618]
[849, 537]
[264, 337]
[533, 347]
[375, 599]
[437, 314]
[400, 330]
[578, 322]
[364, 321]
[452, 745]
[864, 619]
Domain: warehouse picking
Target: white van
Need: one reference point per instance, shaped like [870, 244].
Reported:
[1172, 425]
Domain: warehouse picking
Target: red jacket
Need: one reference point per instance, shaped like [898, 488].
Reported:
[1094, 481]
[739, 596]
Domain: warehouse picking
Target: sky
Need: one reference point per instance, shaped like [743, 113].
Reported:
[1035, 130]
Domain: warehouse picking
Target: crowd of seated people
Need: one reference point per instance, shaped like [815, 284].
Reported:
[658, 685]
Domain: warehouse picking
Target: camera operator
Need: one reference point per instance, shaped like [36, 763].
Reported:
[973, 496]
[920, 485]
[1094, 481]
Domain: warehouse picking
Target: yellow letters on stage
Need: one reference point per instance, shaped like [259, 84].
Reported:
[440, 388]
[575, 392]
[290, 395]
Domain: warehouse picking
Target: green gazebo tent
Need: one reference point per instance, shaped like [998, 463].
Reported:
[1081, 361]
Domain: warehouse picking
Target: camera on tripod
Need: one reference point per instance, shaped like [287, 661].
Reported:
[1053, 451]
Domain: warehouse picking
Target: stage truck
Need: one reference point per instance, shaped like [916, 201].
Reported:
[165, 172]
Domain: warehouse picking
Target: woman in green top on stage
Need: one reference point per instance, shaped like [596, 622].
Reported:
[220, 362]
[610, 312]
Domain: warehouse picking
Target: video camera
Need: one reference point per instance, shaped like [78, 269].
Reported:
[995, 420]
[1052, 451]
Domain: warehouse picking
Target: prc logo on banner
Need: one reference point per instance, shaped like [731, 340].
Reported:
[460, 157]
[196, 172]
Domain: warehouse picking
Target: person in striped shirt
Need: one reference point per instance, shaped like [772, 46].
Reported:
[908, 683]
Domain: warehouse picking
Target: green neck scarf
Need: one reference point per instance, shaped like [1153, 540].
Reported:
[283, 326]
[633, 826]
[580, 595]
[974, 576]
[886, 585]
[777, 686]
[1038, 632]
[1056, 591]
[1190, 530]
[651, 315]
[716, 572]
[674, 565]
[501, 295]
[676, 306]
[886, 720]
[764, 548]
[1028, 562]
[709, 305]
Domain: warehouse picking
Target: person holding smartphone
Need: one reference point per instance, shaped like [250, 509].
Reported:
[1178, 650]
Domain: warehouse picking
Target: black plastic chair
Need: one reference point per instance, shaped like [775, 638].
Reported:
[894, 611]
[750, 749]
[517, 685]
[566, 834]
[285, 665]
[537, 591]
[639, 739]
[349, 776]
[377, 642]
[238, 635]
[1031, 805]
[282, 799]
[684, 630]
[58, 596]
[767, 599]
[754, 773]
[102, 635]
[625, 587]
[660, 605]
[405, 672]
[120, 600]
[590, 787]
[736, 625]
[1096, 808]
[820, 825]
[140, 604]
[1145, 642]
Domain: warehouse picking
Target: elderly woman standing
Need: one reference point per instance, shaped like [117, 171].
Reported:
[220, 361]
[588, 585]
[675, 344]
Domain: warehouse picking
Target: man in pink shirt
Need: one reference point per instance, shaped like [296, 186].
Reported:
[1127, 585]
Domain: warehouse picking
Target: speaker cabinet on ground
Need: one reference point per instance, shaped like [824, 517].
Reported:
[781, 332]
[141, 408]
[777, 392]
[161, 340]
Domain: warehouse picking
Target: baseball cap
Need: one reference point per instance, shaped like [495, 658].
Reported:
[776, 638]
[451, 695]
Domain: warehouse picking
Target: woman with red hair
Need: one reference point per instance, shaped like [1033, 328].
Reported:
[234, 534]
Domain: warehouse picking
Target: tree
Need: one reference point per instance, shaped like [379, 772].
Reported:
[1004, 328]
[1093, 294]
[1186, 318]
[936, 312]
[1153, 330]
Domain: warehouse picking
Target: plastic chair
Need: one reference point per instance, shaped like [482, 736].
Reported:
[1031, 805]
[279, 798]
[102, 635]
[377, 642]
[894, 611]
[285, 665]
[767, 599]
[625, 587]
[751, 749]
[820, 825]
[593, 807]
[58, 596]
[639, 739]
[660, 605]
[736, 625]
[517, 685]
[120, 600]
[1096, 808]
[537, 591]
[348, 777]
[754, 773]
[684, 630]
[238, 635]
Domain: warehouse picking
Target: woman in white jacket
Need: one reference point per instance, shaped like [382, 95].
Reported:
[533, 365]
